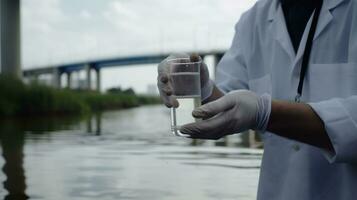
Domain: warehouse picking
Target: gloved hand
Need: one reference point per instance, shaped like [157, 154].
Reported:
[164, 83]
[235, 112]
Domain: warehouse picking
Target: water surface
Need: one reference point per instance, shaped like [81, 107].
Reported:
[127, 154]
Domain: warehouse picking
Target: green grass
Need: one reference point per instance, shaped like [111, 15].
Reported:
[17, 98]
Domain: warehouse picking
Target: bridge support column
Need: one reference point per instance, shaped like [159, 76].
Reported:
[98, 83]
[56, 78]
[69, 80]
[217, 58]
[89, 77]
[33, 78]
[10, 62]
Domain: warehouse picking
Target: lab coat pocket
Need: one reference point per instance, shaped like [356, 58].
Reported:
[332, 80]
[261, 85]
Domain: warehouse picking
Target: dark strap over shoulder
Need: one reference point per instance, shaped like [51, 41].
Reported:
[306, 56]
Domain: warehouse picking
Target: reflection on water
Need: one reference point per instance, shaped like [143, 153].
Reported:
[128, 154]
[12, 136]
[97, 118]
[12, 142]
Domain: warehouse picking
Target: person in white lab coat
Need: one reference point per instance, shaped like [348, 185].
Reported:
[298, 89]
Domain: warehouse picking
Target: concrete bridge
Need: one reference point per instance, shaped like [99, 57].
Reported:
[97, 65]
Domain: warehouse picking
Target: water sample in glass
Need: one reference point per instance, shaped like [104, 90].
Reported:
[183, 114]
[186, 85]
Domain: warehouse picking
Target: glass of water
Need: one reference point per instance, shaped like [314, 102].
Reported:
[186, 86]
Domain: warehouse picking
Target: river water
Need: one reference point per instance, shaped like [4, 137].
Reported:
[127, 154]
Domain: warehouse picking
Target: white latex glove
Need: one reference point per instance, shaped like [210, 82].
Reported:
[164, 83]
[235, 112]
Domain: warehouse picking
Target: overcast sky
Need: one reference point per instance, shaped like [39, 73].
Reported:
[65, 31]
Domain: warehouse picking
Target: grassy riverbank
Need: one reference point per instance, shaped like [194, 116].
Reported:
[18, 99]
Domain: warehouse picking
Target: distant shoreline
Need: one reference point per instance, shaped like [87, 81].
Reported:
[19, 99]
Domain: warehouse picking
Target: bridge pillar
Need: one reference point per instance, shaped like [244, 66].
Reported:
[56, 78]
[33, 78]
[89, 77]
[10, 62]
[98, 83]
[69, 80]
[217, 58]
[36, 77]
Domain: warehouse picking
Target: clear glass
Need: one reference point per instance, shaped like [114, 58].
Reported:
[186, 85]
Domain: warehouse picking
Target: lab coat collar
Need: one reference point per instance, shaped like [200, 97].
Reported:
[301, 49]
[328, 5]
[331, 4]
[276, 15]
[325, 16]
[277, 19]
[273, 10]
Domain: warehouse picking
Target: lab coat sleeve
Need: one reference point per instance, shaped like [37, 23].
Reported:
[340, 120]
[231, 73]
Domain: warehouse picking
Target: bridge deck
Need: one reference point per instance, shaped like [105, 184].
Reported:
[105, 63]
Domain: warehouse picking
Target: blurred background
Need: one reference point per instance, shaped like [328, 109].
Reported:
[80, 116]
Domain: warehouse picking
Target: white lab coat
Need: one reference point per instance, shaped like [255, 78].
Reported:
[263, 60]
